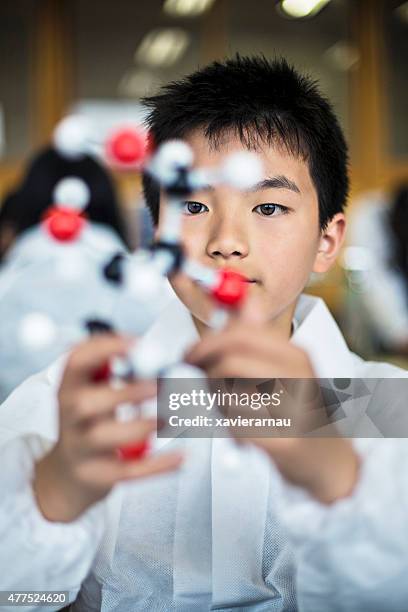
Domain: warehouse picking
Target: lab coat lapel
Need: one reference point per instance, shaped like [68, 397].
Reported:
[318, 334]
[174, 330]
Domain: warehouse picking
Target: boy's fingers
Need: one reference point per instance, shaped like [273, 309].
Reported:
[110, 435]
[210, 344]
[253, 310]
[100, 400]
[236, 366]
[238, 340]
[93, 353]
[141, 468]
[199, 298]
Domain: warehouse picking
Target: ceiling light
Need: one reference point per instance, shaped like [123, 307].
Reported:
[302, 8]
[187, 8]
[162, 47]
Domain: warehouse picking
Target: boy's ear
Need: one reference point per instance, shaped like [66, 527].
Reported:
[330, 242]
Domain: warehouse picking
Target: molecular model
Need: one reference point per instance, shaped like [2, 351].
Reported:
[140, 275]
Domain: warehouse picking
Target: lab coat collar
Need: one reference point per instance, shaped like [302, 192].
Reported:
[314, 330]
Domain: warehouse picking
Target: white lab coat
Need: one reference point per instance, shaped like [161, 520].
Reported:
[208, 537]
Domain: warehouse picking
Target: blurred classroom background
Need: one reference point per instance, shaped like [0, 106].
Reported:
[100, 58]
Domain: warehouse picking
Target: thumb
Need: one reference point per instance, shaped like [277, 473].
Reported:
[253, 310]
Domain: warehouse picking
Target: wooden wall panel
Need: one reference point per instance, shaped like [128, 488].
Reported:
[373, 164]
[52, 65]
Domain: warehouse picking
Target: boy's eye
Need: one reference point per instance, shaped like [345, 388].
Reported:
[194, 208]
[270, 210]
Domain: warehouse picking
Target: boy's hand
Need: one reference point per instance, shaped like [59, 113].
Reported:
[84, 464]
[325, 466]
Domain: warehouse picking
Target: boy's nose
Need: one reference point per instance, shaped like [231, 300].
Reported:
[227, 243]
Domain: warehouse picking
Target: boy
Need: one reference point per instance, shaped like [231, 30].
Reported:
[204, 537]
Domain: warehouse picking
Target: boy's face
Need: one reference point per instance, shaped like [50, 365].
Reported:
[271, 235]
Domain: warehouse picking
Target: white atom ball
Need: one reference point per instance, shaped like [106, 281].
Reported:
[144, 282]
[184, 370]
[170, 156]
[72, 192]
[148, 359]
[126, 412]
[120, 368]
[175, 152]
[71, 136]
[37, 331]
[242, 170]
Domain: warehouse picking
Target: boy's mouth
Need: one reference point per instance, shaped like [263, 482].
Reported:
[247, 279]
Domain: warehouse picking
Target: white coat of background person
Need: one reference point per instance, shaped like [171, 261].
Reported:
[378, 227]
[57, 294]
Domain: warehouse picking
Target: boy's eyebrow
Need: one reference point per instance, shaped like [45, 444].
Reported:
[275, 182]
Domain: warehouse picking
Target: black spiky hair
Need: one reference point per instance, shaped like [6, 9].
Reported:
[261, 101]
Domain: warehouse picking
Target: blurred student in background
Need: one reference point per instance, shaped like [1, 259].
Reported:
[31, 283]
[379, 228]
[24, 208]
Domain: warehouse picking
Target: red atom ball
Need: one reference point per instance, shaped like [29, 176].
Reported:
[134, 451]
[127, 146]
[102, 373]
[231, 289]
[64, 224]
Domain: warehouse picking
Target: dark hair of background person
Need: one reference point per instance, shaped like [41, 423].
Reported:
[24, 207]
[399, 226]
[260, 101]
